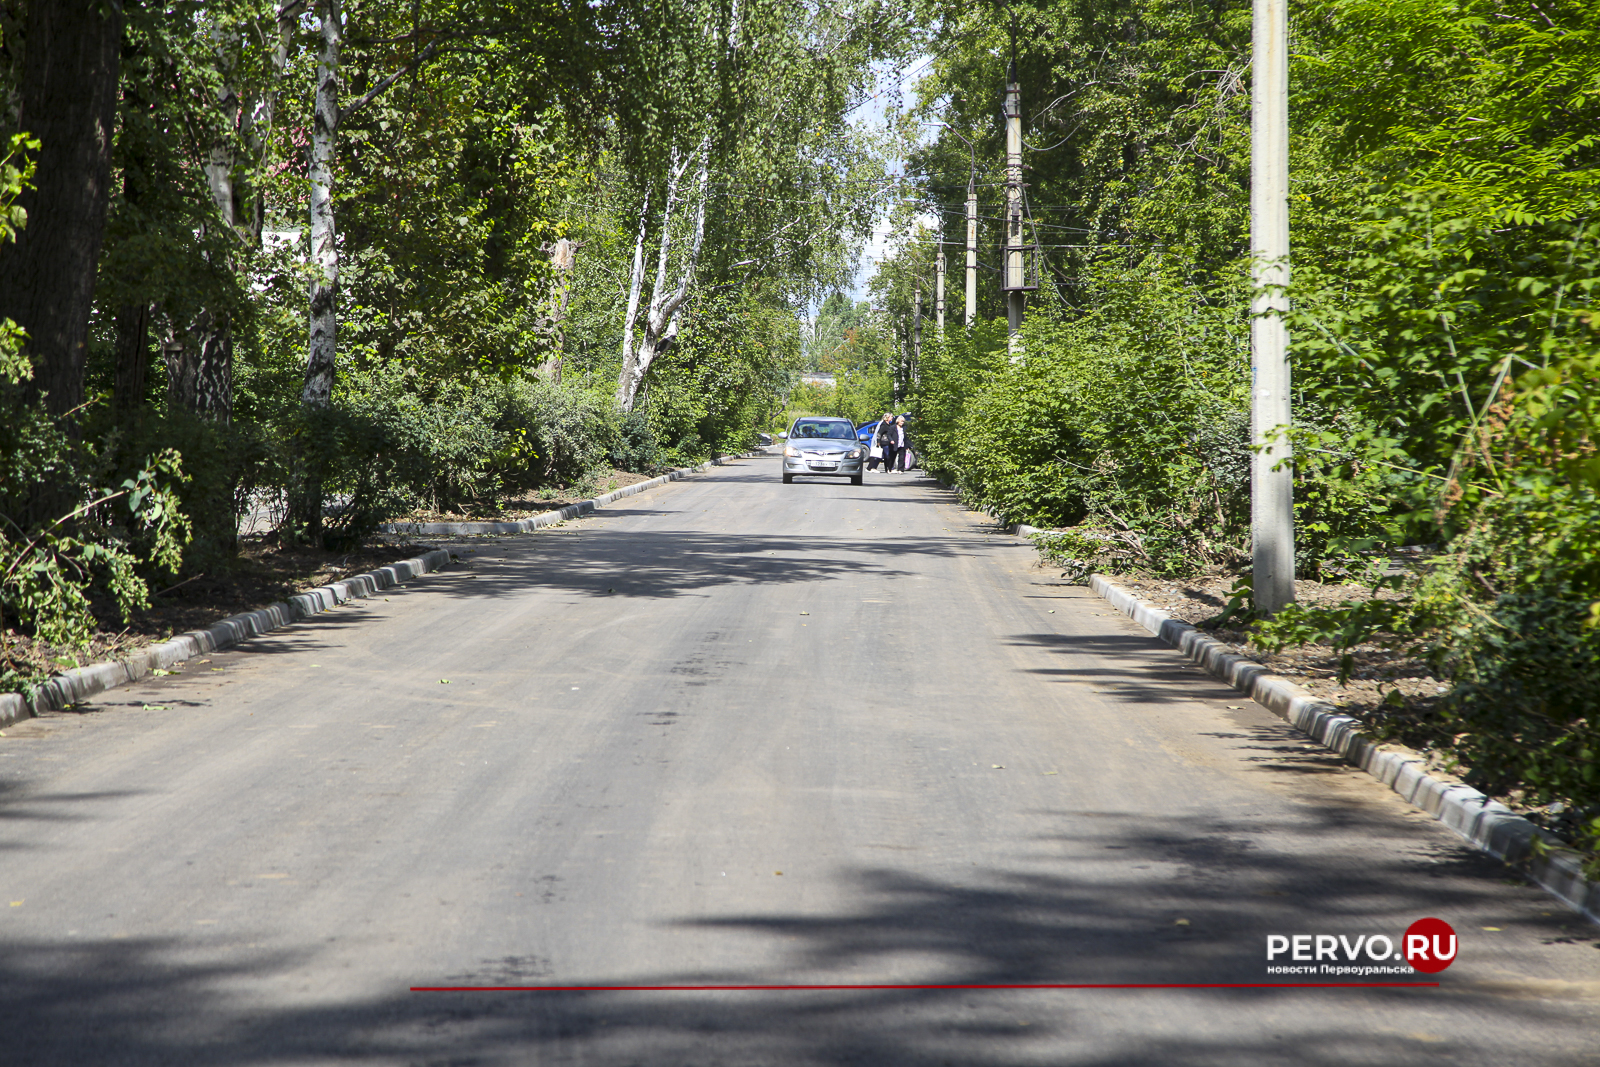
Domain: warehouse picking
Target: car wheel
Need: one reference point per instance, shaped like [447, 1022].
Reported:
[787, 478]
[856, 480]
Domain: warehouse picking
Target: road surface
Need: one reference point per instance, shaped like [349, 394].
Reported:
[731, 732]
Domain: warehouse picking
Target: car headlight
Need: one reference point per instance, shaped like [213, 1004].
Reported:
[855, 453]
[790, 450]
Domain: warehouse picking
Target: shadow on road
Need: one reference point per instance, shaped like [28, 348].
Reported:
[202, 1002]
[676, 563]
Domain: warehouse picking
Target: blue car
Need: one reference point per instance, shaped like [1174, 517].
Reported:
[865, 432]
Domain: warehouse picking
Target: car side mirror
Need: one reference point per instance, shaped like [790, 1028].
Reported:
[783, 435]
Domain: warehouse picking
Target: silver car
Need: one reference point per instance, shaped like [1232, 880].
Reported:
[817, 445]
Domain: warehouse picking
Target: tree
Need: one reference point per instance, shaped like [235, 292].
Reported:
[734, 119]
[663, 313]
[68, 102]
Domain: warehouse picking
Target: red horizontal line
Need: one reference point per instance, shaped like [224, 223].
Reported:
[886, 985]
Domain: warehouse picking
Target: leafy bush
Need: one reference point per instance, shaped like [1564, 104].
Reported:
[1129, 419]
[59, 549]
[636, 449]
[383, 449]
[572, 432]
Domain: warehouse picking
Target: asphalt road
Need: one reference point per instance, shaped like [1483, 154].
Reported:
[731, 732]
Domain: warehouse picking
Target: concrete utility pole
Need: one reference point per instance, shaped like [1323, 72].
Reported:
[916, 333]
[938, 287]
[1015, 280]
[1271, 491]
[972, 251]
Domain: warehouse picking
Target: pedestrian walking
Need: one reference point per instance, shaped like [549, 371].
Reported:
[875, 451]
[906, 457]
[893, 437]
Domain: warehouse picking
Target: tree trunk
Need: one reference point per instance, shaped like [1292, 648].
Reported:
[132, 368]
[662, 317]
[324, 314]
[200, 365]
[68, 101]
[628, 378]
[563, 257]
[200, 368]
[305, 505]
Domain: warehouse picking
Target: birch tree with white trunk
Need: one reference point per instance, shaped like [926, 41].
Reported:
[643, 341]
[324, 308]
[327, 117]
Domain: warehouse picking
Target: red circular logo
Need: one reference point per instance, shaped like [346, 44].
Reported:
[1430, 945]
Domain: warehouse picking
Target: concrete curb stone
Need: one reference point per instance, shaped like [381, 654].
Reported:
[80, 683]
[1486, 824]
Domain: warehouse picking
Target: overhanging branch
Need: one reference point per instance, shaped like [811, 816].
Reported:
[372, 94]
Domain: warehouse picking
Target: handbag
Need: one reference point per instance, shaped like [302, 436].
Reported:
[876, 452]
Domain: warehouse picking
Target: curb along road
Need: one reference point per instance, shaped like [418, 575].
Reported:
[81, 683]
[1484, 823]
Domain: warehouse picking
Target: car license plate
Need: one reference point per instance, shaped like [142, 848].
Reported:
[824, 466]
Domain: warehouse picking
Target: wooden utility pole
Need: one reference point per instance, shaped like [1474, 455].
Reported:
[1271, 481]
[972, 250]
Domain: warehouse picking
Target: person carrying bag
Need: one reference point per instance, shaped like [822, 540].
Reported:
[890, 438]
[875, 453]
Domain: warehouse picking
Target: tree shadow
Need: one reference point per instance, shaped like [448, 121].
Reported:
[1153, 674]
[666, 564]
[1219, 890]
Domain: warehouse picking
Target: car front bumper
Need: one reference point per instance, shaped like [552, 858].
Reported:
[824, 465]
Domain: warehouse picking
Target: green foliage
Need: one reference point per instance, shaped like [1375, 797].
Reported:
[1445, 162]
[637, 449]
[1130, 418]
[1484, 104]
[1349, 624]
[49, 569]
[707, 393]
[1084, 551]
[385, 449]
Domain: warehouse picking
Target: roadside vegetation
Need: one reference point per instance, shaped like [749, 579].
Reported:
[338, 263]
[1445, 175]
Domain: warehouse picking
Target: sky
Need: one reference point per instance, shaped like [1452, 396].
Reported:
[894, 88]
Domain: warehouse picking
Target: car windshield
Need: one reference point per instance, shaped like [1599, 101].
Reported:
[831, 431]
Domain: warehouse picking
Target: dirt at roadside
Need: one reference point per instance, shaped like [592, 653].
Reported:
[265, 572]
[528, 504]
[1377, 670]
